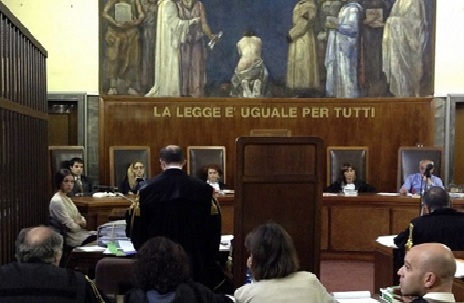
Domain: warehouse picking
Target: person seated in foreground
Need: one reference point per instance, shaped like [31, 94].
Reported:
[163, 275]
[36, 276]
[64, 211]
[134, 179]
[348, 176]
[417, 183]
[273, 265]
[439, 223]
[427, 274]
[212, 174]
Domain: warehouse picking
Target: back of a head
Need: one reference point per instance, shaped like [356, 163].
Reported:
[161, 265]
[439, 259]
[436, 198]
[273, 253]
[172, 154]
[38, 245]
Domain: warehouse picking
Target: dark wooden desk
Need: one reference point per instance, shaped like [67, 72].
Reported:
[97, 211]
[385, 271]
[350, 225]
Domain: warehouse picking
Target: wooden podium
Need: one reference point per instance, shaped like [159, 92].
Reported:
[279, 179]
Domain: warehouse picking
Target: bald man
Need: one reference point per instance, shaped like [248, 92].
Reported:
[416, 183]
[37, 278]
[181, 208]
[427, 274]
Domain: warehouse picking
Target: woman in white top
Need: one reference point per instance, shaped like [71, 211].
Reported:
[273, 264]
[63, 210]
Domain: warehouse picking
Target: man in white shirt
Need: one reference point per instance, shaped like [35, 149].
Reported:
[427, 274]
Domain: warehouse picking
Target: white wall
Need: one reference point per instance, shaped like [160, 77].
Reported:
[68, 29]
[449, 46]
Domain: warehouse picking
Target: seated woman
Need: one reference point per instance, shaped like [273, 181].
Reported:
[212, 174]
[273, 265]
[163, 275]
[134, 179]
[348, 176]
[63, 210]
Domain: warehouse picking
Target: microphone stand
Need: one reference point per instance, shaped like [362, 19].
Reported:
[425, 185]
[421, 194]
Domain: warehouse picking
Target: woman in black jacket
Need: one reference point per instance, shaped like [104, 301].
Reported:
[348, 176]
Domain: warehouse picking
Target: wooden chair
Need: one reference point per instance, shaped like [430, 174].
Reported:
[357, 156]
[270, 132]
[410, 156]
[59, 157]
[120, 159]
[115, 276]
[200, 156]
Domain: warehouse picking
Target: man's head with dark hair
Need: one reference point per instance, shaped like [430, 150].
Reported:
[436, 198]
[76, 165]
[39, 245]
[161, 265]
[171, 154]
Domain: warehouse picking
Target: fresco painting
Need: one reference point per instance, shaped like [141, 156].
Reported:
[272, 49]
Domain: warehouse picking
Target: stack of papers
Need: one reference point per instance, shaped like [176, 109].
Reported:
[225, 244]
[387, 241]
[111, 232]
[353, 296]
[459, 268]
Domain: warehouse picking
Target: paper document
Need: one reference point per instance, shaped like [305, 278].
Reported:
[459, 268]
[353, 296]
[387, 241]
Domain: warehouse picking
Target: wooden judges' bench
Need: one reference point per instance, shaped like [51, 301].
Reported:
[98, 211]
[350, 225]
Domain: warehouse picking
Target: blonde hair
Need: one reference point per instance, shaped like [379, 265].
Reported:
[131, 178]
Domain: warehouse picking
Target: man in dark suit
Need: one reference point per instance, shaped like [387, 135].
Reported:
[82, 184]
[439, 223]
[181, 208]
[36, 276]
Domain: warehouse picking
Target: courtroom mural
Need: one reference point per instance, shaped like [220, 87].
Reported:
[277, 48]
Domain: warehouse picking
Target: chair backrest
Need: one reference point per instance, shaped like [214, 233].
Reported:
[337, 156]
[59, 157]
[410, 156]
[120, 159]
[260, 132]
[115, 276]
[200, 156]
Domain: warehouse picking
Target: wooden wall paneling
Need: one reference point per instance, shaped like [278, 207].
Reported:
[279, 179]
[382, 124]
[356, 228]
[401, 215]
